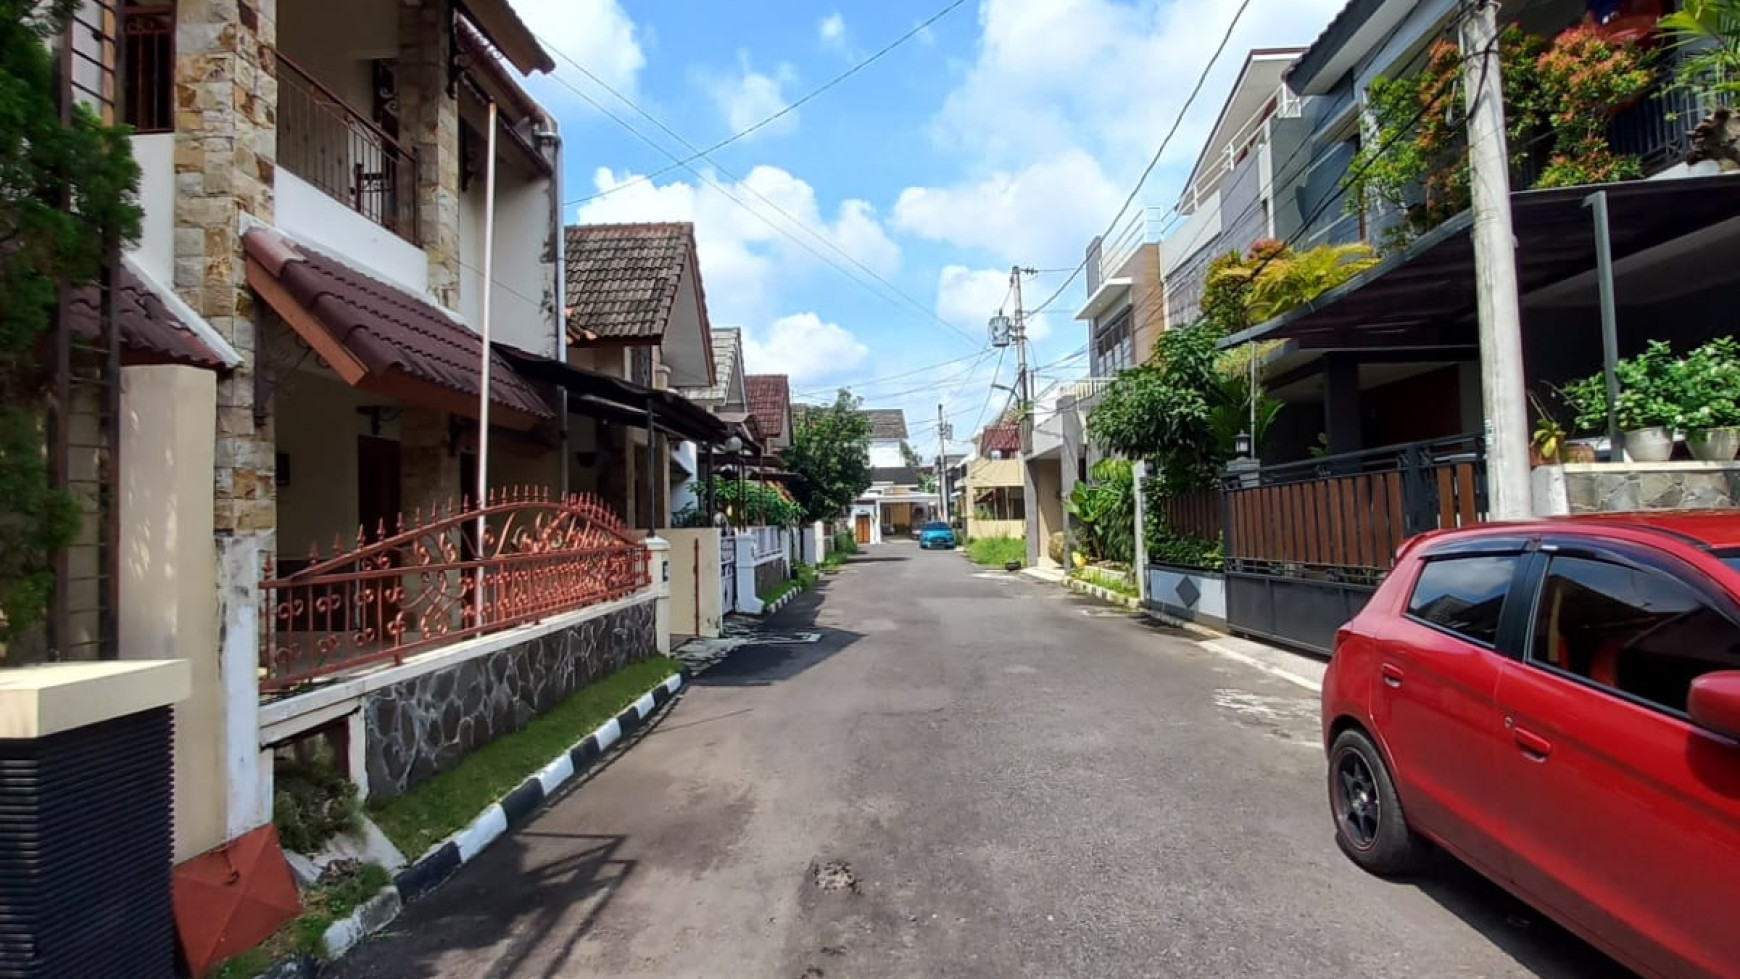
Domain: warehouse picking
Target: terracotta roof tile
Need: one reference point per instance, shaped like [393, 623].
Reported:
[147, 323]
[1000, 438]
[624, 279]
[769, 399]
[387, 328]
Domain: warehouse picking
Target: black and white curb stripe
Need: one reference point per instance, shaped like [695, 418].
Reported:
[517, 806]
[1103, 594]
[780, 602]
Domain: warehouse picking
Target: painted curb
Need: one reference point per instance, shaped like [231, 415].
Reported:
[1103, 594]
[514, 809]
[768, 609]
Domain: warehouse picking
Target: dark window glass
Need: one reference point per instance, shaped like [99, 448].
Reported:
[1463, 595]
[1639, 632]
[936, 525]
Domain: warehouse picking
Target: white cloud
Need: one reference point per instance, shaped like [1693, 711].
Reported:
[804, 347]
[746, 96]
[1042, 214]
[832, 31]
[596, 33]
[1110, 76]
[742, 254]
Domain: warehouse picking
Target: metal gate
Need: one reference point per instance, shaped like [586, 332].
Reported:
[1308, 542]
[727, 573]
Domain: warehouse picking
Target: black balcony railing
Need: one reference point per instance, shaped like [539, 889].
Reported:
[1656, 129]
[337, 149]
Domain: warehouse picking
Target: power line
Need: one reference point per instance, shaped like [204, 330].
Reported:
[801, 226]
[873, 381]
[830, 83]
[1154, 161]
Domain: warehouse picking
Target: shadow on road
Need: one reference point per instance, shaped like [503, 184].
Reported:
[783, 656]
[877, 559]
[516, 912]
[1534, 940]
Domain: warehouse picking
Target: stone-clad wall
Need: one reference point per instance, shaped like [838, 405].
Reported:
[1598, 488]
[426, 724]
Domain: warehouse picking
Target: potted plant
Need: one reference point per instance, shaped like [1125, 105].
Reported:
[1649, 404]
[1550, 444]
[1710, 384]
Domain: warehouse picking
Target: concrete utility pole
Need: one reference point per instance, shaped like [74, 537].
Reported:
[1501, 354]
[1023, 380]
[942, 463]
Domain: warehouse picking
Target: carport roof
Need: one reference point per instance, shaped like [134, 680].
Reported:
[1425, 295]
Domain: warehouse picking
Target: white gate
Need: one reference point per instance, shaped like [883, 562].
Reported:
[727, 573]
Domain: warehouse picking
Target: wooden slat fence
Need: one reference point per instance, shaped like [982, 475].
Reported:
[1191, 514]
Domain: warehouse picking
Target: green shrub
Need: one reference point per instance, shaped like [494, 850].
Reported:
[997, 551]
[312, 801]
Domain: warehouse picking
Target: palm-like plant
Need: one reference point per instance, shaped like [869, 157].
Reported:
[1291, 278]
[1709, 31]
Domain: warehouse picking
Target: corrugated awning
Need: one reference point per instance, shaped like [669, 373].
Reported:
[1425, 295]
[381, 338]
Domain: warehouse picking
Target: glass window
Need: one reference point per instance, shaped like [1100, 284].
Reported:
[1464, 595]
[1638, 632]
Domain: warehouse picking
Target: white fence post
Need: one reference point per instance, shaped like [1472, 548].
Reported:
[747, 600]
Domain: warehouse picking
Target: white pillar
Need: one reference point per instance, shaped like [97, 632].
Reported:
[658, 563]
[748, 601]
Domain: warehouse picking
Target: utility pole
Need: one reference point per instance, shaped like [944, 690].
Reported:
[1023, 381]
[1501, 354]
[942, 463]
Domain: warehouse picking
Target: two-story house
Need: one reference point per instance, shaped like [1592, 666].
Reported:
[895, 504]
[1394, 358]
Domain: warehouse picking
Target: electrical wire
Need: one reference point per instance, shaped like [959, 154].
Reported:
[1154, 161]
[801, 226]
[788, 109]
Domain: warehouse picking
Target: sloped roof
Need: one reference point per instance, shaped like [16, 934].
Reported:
[727, 346]
[886, 424]
[897, 475]
[370, 331]
[769, 398]
[1000, 438]
[154, 325]
[624, 279]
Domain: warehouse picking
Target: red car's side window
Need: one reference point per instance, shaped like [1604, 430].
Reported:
[1635, 631]
[1463, 596]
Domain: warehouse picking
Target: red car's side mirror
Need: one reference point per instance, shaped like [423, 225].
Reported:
[1715, 702]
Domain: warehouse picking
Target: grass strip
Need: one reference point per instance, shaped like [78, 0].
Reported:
[449, 801]
[997, 551]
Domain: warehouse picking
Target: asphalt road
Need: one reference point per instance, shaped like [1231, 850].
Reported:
[970, 774]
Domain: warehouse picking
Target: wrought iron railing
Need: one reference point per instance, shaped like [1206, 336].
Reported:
[326, 142]
[148, 91]
[416, 586]
[1657, 129]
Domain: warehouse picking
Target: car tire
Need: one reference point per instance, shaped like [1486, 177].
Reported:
[1370, 826]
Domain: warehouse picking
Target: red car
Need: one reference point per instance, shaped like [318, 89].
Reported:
[1558, 705]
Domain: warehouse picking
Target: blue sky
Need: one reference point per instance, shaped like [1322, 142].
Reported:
[1008, 132]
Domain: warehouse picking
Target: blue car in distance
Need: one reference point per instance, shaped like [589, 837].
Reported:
[936, 534]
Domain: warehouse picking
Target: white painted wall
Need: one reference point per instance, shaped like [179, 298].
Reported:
[333, 40]
[885, 454]
[1210, 590]
[686, 348]
[155, 154]
[523, 301]
[308, 214]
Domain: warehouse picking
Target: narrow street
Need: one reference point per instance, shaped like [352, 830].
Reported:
[969, 774]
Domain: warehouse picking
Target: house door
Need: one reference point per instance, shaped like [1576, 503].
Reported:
[377, 502]
[861, 528]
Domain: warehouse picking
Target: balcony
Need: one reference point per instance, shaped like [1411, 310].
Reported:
[1657, 129]
[345, 155]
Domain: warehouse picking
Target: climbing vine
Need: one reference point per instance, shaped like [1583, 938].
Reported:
[1558, 95]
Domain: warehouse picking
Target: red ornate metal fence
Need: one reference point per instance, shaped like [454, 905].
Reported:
[415, 586]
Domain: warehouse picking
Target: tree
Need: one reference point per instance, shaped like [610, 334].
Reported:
[830, 450]
[67, 196]
[909, 455]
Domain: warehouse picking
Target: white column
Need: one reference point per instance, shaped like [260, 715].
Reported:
[1138, 473]
[658, 562]
[748, 601]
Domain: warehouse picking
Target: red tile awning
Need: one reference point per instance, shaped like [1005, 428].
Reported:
[381, 338]
[153, 325]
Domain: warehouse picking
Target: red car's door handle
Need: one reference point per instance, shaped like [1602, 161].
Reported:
[1392, 675]
[1534, 747]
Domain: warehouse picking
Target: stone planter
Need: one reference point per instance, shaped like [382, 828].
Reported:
[1714, 444]
[1654, 444]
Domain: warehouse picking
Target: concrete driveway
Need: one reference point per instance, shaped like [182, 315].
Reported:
[969, 774]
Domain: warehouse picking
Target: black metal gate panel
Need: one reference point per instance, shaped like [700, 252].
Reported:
[1307, 543]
